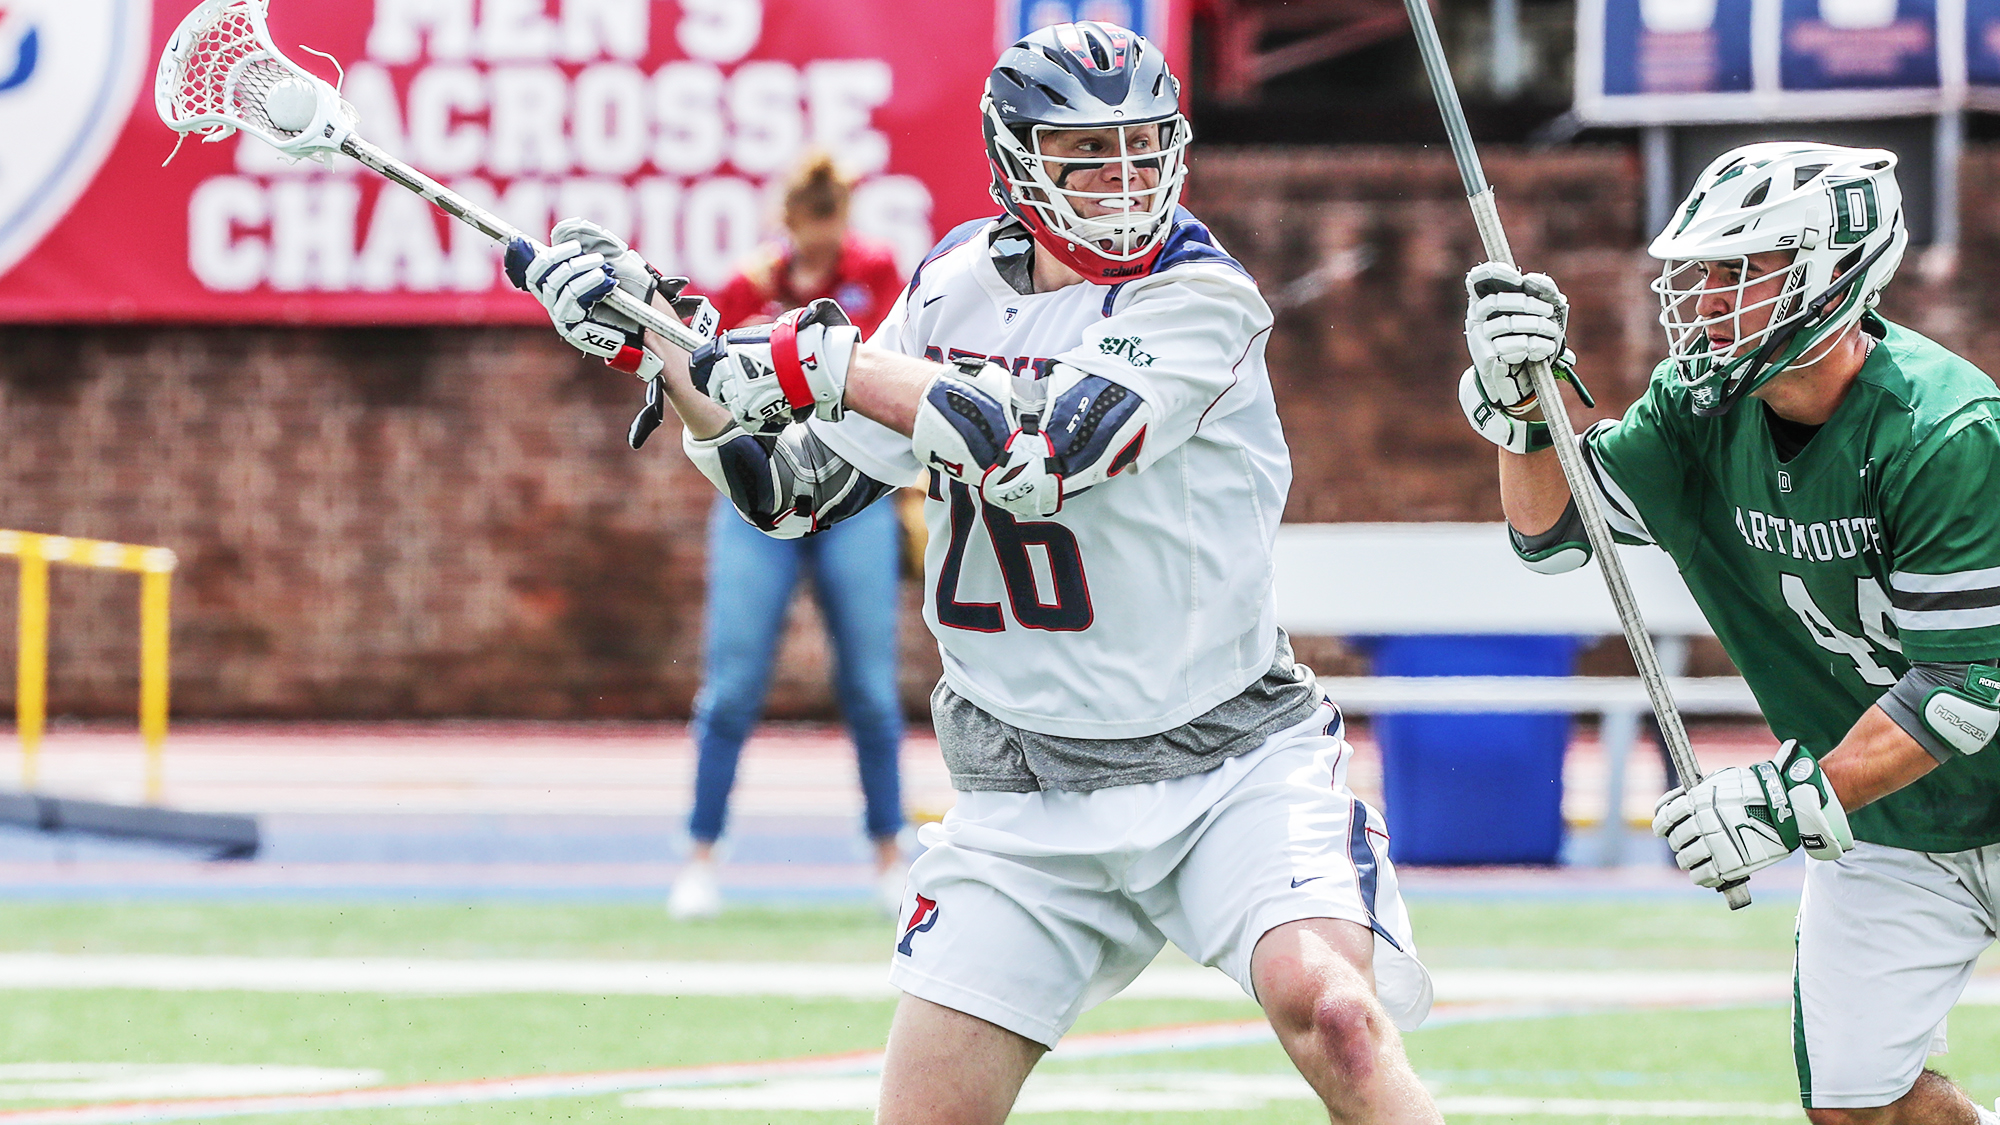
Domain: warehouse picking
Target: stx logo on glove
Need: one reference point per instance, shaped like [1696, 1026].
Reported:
[600, 337]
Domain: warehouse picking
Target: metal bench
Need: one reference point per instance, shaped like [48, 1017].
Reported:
[1387, 579]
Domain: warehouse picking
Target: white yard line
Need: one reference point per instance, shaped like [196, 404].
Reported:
[836, 1081]
[1497, 1106]
[834, 980]
[113, 1082]
[1167, 1091]
[1494, 995]
[1196, 1037]
[864, 980]
[441, 977]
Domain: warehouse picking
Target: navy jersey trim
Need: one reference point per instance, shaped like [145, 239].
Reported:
[1192, 241]
[953, 239]
[1365, 868]
[1189, 241]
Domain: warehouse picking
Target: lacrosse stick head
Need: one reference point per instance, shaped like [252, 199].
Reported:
[220, 73]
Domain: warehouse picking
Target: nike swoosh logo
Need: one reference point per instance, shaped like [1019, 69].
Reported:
[1297, 882]
[935, 300]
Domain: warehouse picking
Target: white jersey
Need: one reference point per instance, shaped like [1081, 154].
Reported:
[1146, 600]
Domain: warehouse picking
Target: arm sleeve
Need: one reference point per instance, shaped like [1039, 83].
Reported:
[1563, 547]
[1942, 522]
[1183, 342]
[787, 484]
[1904, 703]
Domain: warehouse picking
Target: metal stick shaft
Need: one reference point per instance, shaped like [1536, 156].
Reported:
[1439, 72]
[497, 229]
[1487, 216]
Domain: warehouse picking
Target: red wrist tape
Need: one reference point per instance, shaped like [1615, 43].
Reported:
[627, 360]
[785, 360]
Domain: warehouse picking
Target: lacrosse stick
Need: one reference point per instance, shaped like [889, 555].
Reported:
[1486, 215]
[221, 74]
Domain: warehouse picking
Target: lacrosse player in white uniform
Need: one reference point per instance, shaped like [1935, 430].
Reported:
[1080, 384]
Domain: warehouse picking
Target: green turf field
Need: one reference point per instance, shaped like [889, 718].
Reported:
[1731, 1064]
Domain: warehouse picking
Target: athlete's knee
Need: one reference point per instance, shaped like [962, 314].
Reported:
[1351, 1028]
[1336, 1012]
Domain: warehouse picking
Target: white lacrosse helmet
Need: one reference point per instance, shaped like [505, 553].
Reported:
[1840, 213]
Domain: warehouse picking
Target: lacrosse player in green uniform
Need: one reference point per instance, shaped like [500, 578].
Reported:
[1829, 485]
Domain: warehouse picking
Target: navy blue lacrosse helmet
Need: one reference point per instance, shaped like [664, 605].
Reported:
[1101, 201]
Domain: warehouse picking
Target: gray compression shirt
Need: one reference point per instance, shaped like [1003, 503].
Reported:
[984, 753]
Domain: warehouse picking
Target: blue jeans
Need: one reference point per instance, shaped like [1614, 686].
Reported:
[751, 576]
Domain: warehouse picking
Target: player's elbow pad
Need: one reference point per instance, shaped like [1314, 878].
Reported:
[786, 485]
[1028, 453]
[1948, 708]
[1097, 428]
[1563, 547]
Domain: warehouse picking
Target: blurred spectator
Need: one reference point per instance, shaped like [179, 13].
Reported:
[853, 565]
[820, 258]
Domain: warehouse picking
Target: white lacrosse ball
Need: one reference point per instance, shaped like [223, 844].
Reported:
[291, 104]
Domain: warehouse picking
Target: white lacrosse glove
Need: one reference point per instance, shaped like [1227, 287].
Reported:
[1740, 820]
[1513, 321]
[1025, 482]
[769, 375]
[573, 276]
[1515, 435]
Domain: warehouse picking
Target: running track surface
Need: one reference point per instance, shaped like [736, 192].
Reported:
[595, 811]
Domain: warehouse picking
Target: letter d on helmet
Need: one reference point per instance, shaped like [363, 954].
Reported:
[1838, 212]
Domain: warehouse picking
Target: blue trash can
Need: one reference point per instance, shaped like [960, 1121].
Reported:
[1468, 789]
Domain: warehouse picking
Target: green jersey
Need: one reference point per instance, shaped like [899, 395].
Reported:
[1824, 576]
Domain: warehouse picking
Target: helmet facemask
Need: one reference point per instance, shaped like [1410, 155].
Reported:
[1685, 288]
[1797, 328]
[1121, 223]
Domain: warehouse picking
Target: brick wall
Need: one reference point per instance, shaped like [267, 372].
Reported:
[447, 522]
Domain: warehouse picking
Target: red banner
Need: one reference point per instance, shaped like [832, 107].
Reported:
[671, 122]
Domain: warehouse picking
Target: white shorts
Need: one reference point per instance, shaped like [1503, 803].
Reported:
[1030, 908]
[1887, 939]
